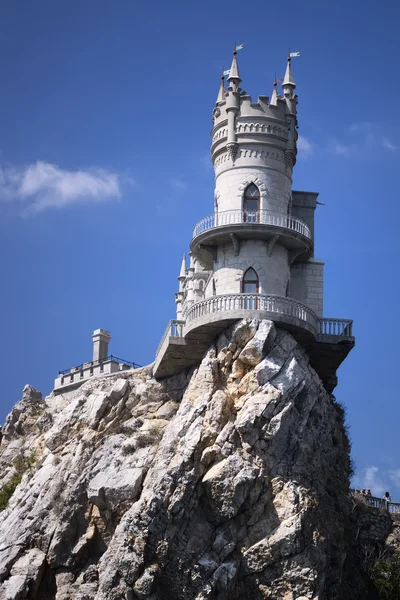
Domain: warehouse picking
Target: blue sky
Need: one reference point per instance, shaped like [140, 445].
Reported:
[105, 115]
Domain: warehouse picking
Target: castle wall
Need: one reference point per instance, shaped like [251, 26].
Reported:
[274, 186]
[303, 207]
[306, 284]
[273, 271]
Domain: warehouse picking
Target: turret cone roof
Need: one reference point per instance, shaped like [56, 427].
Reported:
[234, 71]
[288, 80]
[221, 93]
[183, 267]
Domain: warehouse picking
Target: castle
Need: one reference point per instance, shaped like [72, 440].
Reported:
[254, 256]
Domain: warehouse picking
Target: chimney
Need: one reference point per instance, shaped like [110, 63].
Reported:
[100, 338]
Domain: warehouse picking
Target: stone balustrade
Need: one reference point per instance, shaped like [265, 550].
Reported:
[259, 217]
[342, 327]
[276, 305]
[174, 329]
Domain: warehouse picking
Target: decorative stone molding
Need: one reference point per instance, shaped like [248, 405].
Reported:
[247, 153]
[210, 249]
[232, 148]
[222, 133]
[293, 254]
[249, 180]
[290, 158]
[271, 243]
[235, 242]
[262, 128]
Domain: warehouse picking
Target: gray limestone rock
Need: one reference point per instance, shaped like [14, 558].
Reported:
[229, 483]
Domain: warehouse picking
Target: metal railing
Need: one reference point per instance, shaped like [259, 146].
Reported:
[94, 363]
[278, 305]
[341, 327]
[251, 217]
[378, 503]
[174, 329]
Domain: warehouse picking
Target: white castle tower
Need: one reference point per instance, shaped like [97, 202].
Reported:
[254, 256]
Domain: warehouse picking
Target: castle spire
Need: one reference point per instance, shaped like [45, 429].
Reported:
[183, 267]
[288, 84]
[274, 97]
[234, 75]
[221, 93]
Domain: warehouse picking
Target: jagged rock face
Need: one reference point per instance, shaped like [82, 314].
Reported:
[229, 482]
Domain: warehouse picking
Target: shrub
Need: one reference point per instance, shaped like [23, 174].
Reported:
[386, 577]
[8, 489]
[21, 464]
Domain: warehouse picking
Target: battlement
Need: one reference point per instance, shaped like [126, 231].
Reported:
[101, 365]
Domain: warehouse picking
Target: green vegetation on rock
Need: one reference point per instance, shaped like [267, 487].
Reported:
[21, 464]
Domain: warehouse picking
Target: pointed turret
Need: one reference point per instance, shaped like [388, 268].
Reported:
[221, 93]
[288, 84]
[234, 70]
[274, 97]
[183, 267]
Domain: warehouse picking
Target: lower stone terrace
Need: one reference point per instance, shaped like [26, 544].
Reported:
[328, 341]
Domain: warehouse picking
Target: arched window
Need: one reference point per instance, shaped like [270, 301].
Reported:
[250, 282]
[251, 204]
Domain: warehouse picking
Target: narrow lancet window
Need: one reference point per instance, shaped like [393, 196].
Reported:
[251, 204]
[250, 282]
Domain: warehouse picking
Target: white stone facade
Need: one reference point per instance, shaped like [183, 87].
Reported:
[272, 271]
[254, 143]
[307, 284]
[274, 186]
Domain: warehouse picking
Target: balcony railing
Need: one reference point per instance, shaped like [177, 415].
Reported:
[174, 329]
[252, 217]
[277, 305]
[341, 327]
[94, 363]
[379, 503]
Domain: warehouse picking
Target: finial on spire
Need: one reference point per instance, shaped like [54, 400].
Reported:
[234, 70]
[221, 93]
[288, 84]
[288, 79]
[274, 97]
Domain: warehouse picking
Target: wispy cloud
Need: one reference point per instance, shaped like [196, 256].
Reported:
[386, 143]
[206, 161]
[42, 185]
[177, 183]
[342, 149]
[304, 146]
[364, 137]
[371, 478]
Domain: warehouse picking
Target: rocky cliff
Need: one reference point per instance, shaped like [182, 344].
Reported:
[227, 482]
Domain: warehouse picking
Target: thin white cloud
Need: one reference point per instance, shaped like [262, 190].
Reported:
[42, 185]
[370, 136]
[177, 184]
[341, 149]
[304, 146]
[386, 143]
[363, 126]
[206, 161]
[394, 475]
[371, 478]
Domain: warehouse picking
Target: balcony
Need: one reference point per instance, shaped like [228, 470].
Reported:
[289, 313]
[245, 224]
[327, 341]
